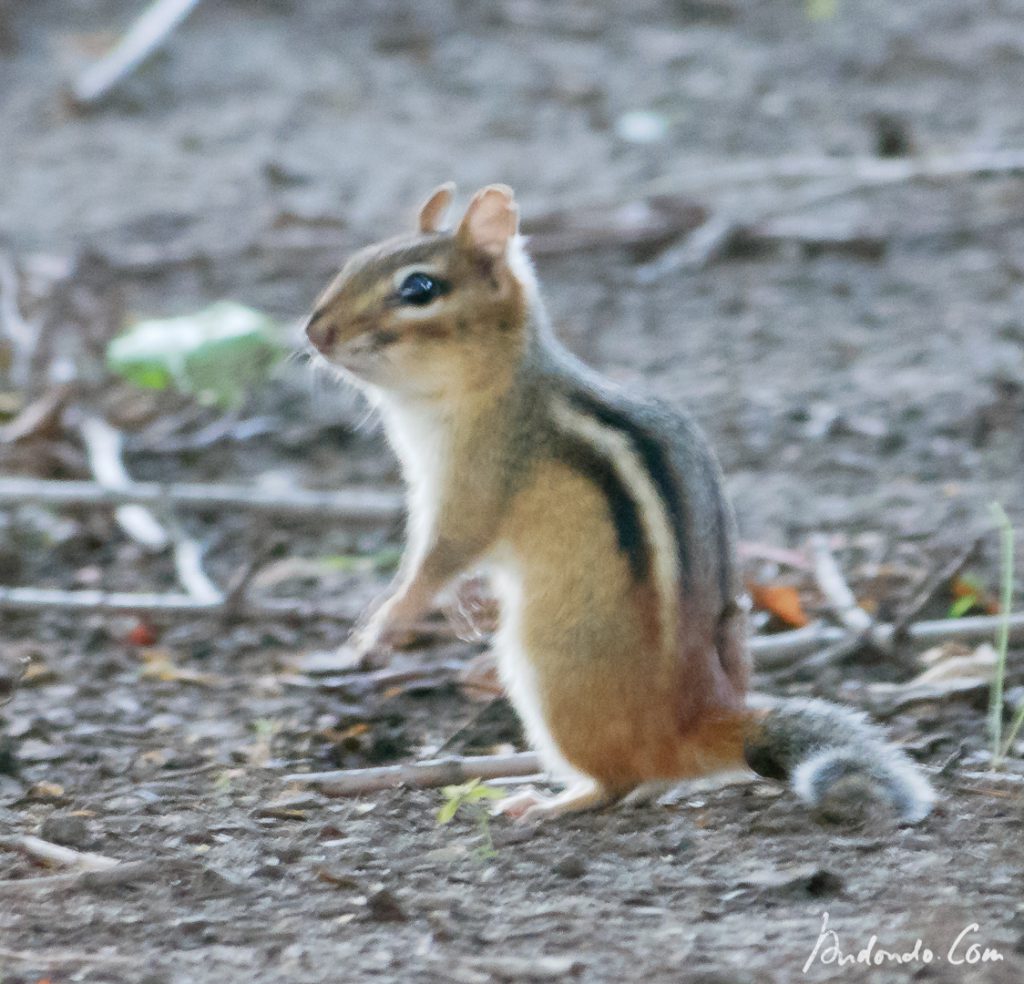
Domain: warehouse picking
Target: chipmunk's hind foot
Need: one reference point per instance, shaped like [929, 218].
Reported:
[531, 806]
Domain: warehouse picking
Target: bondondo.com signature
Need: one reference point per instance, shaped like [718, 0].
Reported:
[964, 950]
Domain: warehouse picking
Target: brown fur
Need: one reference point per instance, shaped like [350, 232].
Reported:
[621, 708]
[626, 650]
[609, 690]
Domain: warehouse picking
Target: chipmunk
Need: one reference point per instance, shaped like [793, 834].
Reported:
[600, 517]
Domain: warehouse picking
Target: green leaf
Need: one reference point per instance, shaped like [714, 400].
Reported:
[216, 355]
[384, 560]
[448, 810]
[962, 606]
[482, 792]
[821, 10]
[458, 796]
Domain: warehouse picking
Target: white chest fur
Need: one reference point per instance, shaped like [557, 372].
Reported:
[420, 436]
[517, 671]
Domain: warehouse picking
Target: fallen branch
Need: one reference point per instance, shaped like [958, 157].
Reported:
[150, 871]
[770, 652]
[188, 565]
[358, 506]
[39, 417]
[420, 775]
[104, 445]
[56, 854]
[837, 178]
[148, 33]
[836, 591]
[934, 583]
[865, 171]
[103, 449]
[710, 240]
[775, 651]
[24, 336]
[49, 957]
[166, 605]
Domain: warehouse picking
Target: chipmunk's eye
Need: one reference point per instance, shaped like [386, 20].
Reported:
[420, 289]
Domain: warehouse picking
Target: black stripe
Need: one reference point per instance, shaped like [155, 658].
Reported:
[389, 257]
[624, 512]
[725, 552]
[656, 464]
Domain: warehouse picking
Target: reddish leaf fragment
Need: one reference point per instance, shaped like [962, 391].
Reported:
[782, 600]
[143, 634]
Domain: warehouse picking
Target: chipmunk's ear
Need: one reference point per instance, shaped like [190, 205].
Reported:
[491, 220]
[432, 211]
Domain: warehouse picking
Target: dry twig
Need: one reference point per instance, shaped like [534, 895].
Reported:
[836, 591]
[863, 171]
[356, 506]
[165, 605]
[775, 651]
[421, 775]
[836, 178]
[149, 32]
[103, 445]
[56, 854]
[103, 448]
[50, 957]
[934, 583]
[23, 336]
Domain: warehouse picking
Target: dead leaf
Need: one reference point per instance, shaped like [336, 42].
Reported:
[39, 419]
[158, 664]
[969, 588]
[142, 634]
[953, 663]
[45, 791]
[782, 600]
[952, 671]
[38, 673]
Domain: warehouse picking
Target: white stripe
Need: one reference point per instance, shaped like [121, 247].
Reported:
[616, 447]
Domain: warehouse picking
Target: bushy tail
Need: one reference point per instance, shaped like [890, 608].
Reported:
[835, 759]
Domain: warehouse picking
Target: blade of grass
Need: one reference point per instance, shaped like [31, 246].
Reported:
[995, 705]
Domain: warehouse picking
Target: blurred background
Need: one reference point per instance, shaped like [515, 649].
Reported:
[802, 219]
[855, 351]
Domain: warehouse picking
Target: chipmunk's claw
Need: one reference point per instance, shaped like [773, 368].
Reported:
[517, 806]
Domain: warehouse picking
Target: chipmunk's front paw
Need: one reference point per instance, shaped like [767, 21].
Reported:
[365, 647]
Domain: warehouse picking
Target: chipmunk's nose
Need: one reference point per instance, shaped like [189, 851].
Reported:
[322, 332]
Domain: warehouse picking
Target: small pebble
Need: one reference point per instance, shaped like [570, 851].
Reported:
[384, 907]
[66, 829]
[571, 866]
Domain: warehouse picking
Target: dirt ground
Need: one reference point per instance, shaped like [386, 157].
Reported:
[859, 365]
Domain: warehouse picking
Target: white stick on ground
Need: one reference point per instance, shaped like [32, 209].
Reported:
[57, 854]
[356, 506]
[50, 956]
[770, 652]
[165, 605]
[835, 589]
[103, 445]
[23, 335]
[152, 28]
[188, 564]
[421, 775]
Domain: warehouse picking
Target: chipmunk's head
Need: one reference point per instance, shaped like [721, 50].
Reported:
[434, 313]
